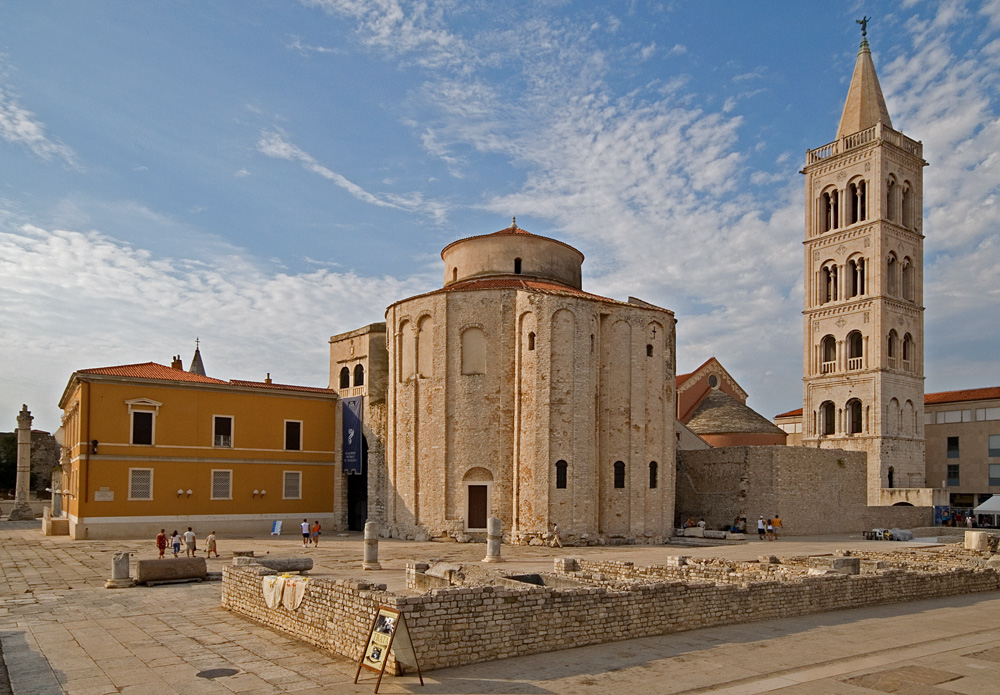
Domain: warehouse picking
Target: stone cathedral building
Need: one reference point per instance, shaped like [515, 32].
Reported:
[512, 392]
[863, 328]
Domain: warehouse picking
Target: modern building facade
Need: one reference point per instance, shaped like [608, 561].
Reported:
[147, 446]
[863, 334]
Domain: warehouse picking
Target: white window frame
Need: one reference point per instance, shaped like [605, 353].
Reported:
[232, 432]
[211, 483]
[140, 499]
[284, 485]
[142, 405]
[284, 435]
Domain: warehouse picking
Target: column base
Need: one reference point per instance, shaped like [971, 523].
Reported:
[371, 566]
[21, 512]
[119, 583]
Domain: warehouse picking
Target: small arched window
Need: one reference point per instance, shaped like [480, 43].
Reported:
[859, 203]
[856, 277]
[561, 468]
[907, 279]
[828, 356]
[892, 275]
[907, 350]
[359, 375]
[827, 418]
[345, 378]
[531, 341]
[517, 266]
[891, 199]
[649, 351]
[907, 205]
[829, 277]
[653, 471]
[619, 474]
[829, 211]
[854, 419]
[855, 350]
[454, 274]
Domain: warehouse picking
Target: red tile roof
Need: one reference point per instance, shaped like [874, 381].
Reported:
[280, 387]
[515, 283]
[964, 395]
[152, 370]
[791, 413]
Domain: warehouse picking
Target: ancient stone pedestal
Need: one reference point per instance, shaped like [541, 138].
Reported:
[494, 534]
[371, 546]
[22, 510]
[977, 540]
[120, 573]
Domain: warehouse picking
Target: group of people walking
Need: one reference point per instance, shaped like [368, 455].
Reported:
[769, 529]
[188, 540]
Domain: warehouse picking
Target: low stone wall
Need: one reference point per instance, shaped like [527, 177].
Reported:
[462, 625]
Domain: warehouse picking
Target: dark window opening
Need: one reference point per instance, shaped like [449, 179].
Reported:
[649, 351]
[359, 375]
[517, 266]
[561, 467]
[293, 436]
[345, 378]
[827, 414]
[619, 474]
[953, 477]
[953, 448]
[531, 341]
[222, 430]
[142, 428]
[652, 475]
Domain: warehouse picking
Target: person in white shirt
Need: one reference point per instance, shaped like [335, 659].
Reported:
[305, 532]
[189, 545]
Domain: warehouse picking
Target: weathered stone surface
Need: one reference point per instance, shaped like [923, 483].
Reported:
[286, 564]
[170, 569]
[977, 540]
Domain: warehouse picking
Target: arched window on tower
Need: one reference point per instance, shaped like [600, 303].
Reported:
[907, 205]
[891, 348]
[828, 282]
[653, 471]
[892, 275]
[908, 352]
[854, 416]
[359, 375]
[907, 279]
[855, 350]
[858, 198]
[891, 199]
[828, 355]
[829, 205]
[619, 474]
[345, 378]
[856, 277]
[827, 418]
[561, 469]
[517, 266]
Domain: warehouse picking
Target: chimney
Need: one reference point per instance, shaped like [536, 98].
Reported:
[267, 379]
[176, 363]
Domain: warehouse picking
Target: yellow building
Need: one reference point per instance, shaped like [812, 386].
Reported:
[147, 446]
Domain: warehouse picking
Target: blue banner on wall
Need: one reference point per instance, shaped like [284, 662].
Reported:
[351, 450]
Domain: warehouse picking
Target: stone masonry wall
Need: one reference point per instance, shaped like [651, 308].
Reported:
[815, 491]
[463, 625]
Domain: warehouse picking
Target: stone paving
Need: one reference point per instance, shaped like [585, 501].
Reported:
[62, 632]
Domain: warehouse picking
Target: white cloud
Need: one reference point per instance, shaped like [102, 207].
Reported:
[98, 301]
[274, 144]
[21, 127]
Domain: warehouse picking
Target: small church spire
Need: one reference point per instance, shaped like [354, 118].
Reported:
[865, 105]
[197, 366]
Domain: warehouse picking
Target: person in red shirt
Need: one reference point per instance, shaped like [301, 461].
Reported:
[161, 542]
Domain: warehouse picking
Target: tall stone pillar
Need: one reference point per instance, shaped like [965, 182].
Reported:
[22, 510]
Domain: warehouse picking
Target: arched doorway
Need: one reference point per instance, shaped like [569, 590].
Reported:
[357, 493]
[478, 482]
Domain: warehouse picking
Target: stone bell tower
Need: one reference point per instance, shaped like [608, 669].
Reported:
[863, 339]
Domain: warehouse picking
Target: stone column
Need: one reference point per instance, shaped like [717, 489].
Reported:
[22, 510]
[371, 546]
[494, 534]
[120, 572]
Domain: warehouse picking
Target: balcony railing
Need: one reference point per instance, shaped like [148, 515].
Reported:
[855, 362]
[891, 362]
[876, 132]
[828, 368]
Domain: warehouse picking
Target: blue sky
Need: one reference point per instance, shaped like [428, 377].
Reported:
[263, 175]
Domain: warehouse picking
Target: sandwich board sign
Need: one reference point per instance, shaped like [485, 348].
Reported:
[388, 632]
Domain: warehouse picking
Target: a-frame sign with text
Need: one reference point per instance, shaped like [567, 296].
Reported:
[388, 632]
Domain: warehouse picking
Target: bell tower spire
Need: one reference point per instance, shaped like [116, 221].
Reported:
[863, 329]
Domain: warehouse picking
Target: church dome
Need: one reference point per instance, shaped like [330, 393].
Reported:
[512, 252]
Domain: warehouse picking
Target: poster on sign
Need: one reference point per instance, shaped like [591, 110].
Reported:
[352, 418]
[388, 632]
